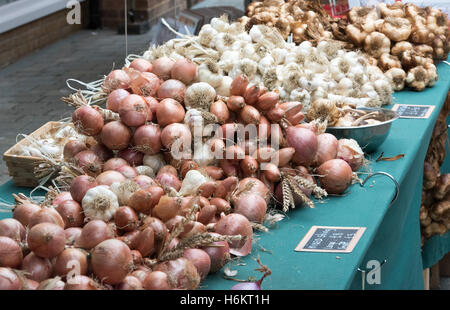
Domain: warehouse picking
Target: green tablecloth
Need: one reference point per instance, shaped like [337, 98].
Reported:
[392, 233]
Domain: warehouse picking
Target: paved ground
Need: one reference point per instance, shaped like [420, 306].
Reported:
[32, 87]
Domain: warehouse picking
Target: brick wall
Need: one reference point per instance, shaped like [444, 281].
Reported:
[22, 40]
[112, 11]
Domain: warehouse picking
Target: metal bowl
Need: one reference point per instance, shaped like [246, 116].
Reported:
[369, 137]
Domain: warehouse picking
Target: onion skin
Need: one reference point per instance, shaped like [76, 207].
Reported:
[162, 67]
[126, 219]
[89, 162]
[114, 163]
[220, 110]
[102, 151]
[71, 213]
[184, 70]
[142, 65]
[169, 180]
[173, 89]
[134, 111]
[47, 215]
[116, 79]
[128, 172]
[235, 103]
[115, 135]
[71, 259]
[111, 261]
[38, 268]
[80, 185]
[147, 138]
[132, 157]
[153, 104]
[80, 282]
[144, 181]
[327, 148]
[268, 101]
[169, 111]
[353, 158]
[157, 280]
[30, 285]
[46, 240]
[24, 212]
[252, 94]
[219, 254]
[88, 120]
[145, 84]
[130, 283]
[252, 206]
[109, 177]
[239, 85]
[52, 284]
[304, 142]
[250, 115]
[9, 280]
[145, 242]
[72, 148]
[200, 259]
[114, 98]
[236, 224]
[216, 173]
[72, 235]
[166, 208]
[335, 176]
[93, 233]
[182, 274]
[10, 253]
[13, 229]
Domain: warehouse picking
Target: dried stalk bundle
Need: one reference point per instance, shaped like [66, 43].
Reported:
[77, 100]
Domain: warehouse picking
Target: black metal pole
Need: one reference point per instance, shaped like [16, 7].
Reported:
[94, 14]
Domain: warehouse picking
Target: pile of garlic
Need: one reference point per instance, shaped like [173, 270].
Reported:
[301, 72]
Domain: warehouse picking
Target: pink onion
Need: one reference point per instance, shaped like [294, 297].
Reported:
[9, 280]
[132, 157]
[335, 176]
[38, 268]
[114, 163]
[89, 162]
[93, 233]
[147, 139]
[13, 229]
[114, 98]
[88, 120]
[304, 142]
[141, 64]
[236, 224]
[219, 254]
[80, 185]
[71, 213]
[184, 70]
[116, 79]
[169, 111]
[24, 212]
[162, 67]
[109, 177]
[10, 253]
[115, 135]
[134, 111]
[145, 84]
[327, 148]
[73, 147]
[173, 89]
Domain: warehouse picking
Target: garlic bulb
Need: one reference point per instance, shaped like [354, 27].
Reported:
[155, 162]
[145, 170]
[191, 183]
[200, 95]
[100, 203]
[123, 191]
[224, 87]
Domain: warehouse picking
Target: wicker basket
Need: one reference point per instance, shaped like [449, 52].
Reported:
[20, 167]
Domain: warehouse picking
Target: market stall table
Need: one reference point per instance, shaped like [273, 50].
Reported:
[392, 232]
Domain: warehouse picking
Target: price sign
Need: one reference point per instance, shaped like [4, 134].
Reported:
[330, 239]
[413, 111]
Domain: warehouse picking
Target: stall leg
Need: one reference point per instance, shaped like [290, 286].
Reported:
[435, 278]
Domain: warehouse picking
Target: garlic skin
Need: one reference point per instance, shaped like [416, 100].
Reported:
[199, 95]
[155, 162]
[396, 77]
[191, 183]
[123, 191]
[145, 170]
[100, 203]
[376, 44]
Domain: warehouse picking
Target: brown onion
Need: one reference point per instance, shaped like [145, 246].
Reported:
[89, 162]
[327, 148]
[130, 239]
[114, 98]
[137, 257]
[102, 151]
[284, 156]
[222, 205]
[220, 110]
[206, 214]
[250, 115]
[145, 242]
[200, 259]
[80, 185]
[162, 67]
[9, 280]
[350, 151]
[169, 111]
[72, 235]
[216, 173]
[130, 283]
[71, 213]
[146, 199]
[128, 171]
[46, 240]
[147, 139]
[80, 282]
[13, 229]
[134, 110]
[24, 212]
[145, 84]
[182, 273]
[335, 176]
[93, 233]
[235, 103]
[72, 148]
[115, 135]
[126, 219]
[46, 215]
[252, 94]
[111, 261]
[251, 185]
[109, 177]
[157, 280]
[268, 101]
[219, 254]
[61, 197]
[226, 186]
[239, 85]
[71, 259]
[38, 268]
[141, 64]
[304, 142]
[132, 157]
[236, 224]
[166, 208]
[114, 163]
[252, 206]
[10, 253]
[173, 89]
[30, 285]
[116, 79]
[184, 70]
[88, 120]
